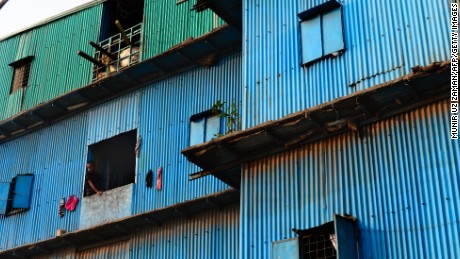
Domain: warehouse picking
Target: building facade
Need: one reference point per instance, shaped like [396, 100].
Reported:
[332, 139]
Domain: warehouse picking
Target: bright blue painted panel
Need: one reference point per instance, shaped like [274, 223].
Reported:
[4, 193]
[332, 31]
[197, 131]
[311, 39]
[22, 191]
[285, 249]
[212, 127]
[345, 233]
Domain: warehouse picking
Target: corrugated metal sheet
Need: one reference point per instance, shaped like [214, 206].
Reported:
[119, 250]
[164, 126]
[383, 41]
[213, 234]
[400, 180]
[161, 112]
[167, 24]
[112, 118]
[56, 68]
[55, 156]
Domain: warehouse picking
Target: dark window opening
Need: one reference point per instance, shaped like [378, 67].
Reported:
[335, 239]
[114, 160]
[127, 12]
[21, 74]
[120, 36]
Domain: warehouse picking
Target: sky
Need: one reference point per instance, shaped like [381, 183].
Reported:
[19, 14]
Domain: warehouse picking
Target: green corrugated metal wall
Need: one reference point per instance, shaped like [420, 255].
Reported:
[56, 68]
[167, 24]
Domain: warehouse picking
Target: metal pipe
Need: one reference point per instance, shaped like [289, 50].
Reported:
[123, 33]
[103, 51]
[90, 59]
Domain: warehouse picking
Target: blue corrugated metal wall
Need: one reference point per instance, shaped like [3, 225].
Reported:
[401, 181]
[161, 112]
[383, 39]
[55, 156]
[164, 125]
[213, 234]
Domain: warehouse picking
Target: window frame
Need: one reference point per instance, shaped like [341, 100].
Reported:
[92, 155]
[318, 13]
[23, 81]
[206, 115]
[17, 200]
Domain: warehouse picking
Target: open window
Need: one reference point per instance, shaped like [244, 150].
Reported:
[120, 36]
[114, 160]
[15, 196]
[335, 239]
[204, 127]
[321, 32]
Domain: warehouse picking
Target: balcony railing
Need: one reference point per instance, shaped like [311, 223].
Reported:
[120, 52]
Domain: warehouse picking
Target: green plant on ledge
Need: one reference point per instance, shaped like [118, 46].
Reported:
[231, 116]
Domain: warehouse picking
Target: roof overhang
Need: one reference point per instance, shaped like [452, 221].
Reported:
[202, 51]
[223, 156]
[123, 228]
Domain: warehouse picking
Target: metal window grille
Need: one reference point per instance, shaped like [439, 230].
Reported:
[319, 247]
[20, 77]
[124, 55]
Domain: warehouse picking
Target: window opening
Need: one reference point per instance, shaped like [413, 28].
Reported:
[119, 38]
[335, 239]
[114, 161]
[21, 74]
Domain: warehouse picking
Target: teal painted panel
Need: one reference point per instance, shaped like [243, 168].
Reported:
[56, 68]
[346, 236]
[332, 32]
[167, 24]
[311, 39]
[286, 249]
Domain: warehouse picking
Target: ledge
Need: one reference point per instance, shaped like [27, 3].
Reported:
[203, 51]
[122, 228]
[223, 156]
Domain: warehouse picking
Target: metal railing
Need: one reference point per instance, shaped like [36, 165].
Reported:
[118, 52]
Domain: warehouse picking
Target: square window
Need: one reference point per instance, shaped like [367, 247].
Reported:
[15, 195]
[321, 31]
[204, 127]
[114, 162]
[335, 239]
[20, 74]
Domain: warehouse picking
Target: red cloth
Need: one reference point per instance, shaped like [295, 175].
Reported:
[159, 178]
[71, 203]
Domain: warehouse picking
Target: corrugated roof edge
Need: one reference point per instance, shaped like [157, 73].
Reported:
[53, 18]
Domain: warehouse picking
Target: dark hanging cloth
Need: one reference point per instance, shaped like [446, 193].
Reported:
[61, 207]
[149, 179]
